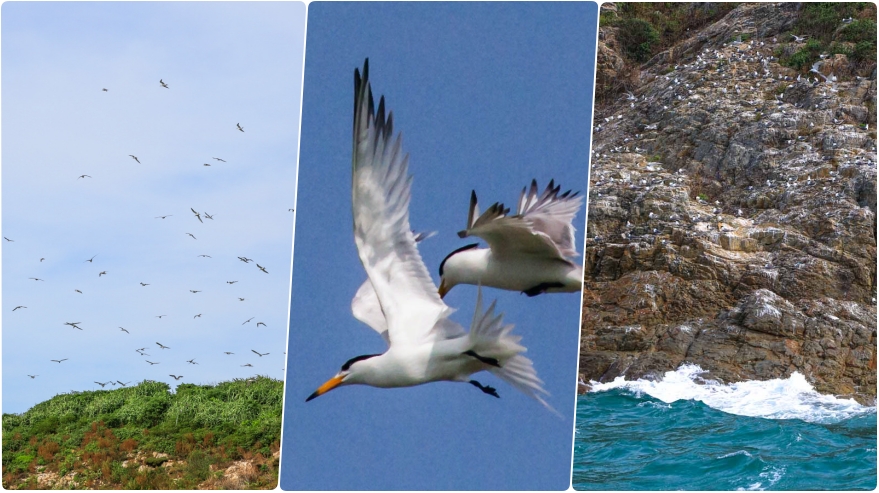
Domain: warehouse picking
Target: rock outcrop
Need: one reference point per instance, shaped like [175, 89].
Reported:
[732, 214]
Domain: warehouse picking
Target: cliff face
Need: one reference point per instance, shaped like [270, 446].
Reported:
[732, 213]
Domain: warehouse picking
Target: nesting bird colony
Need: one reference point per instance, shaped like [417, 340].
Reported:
[732, 216]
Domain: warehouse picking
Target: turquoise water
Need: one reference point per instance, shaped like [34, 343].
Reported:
[628, 440]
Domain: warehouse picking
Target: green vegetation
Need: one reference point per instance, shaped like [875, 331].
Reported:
[169, 440]
[822, 23]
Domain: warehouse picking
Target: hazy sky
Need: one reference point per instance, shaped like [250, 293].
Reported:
[487, 96]
[224, 63]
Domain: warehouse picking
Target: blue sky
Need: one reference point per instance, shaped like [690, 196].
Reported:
[225, 63]
[487, 97]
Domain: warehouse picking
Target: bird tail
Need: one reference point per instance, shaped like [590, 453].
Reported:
[490, 338]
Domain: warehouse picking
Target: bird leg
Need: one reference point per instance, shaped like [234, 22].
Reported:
[487, 361]
[485, 388]
[541, 288]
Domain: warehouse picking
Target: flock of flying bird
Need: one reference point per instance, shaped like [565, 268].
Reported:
[528, 251]
[142, 351]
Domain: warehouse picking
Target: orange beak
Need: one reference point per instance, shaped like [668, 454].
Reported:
[326, 387]
[443, 289]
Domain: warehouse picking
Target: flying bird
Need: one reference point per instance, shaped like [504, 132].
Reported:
[163, 217]
[248, 320]
[248, 364]
[19, 306]
[399, 299]
[7, 239]
[196, 316]
[151, 363]
[42, 258]
[208, 216]
[206, 164]
[91, 259]
[221, 160]
[239, 127]
[191, 361]
[33, 376]
[58, 360]
[102, 273]
[163, 84]
[144, 284]
[240, 299]
[78, 291]
[231, 282]
[102, 384]
[245, 259]
[228, 352]
[261, 323]
[259, 354]
[194, 291]
[104, 89]
[124, 330]
[262, 268]
[160, 316]
[197, 215]
[73, 324]
[162, 346]
[527, 251]
[208, 256]
[36, 279]
[83, 176]
[175, 377]
[193, 236]
[135, 158]
[123, 384]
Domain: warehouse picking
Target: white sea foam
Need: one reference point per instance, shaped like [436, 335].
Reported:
[788, 398]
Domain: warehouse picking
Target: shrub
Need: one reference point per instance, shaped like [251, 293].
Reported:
[637, 38]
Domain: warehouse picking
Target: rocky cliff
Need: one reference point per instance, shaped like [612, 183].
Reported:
[732, 211]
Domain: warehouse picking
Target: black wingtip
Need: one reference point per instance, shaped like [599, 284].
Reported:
[312, 396]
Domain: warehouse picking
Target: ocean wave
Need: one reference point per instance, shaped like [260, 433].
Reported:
[780, 398]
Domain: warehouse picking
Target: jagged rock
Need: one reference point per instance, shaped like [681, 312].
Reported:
[732, 215]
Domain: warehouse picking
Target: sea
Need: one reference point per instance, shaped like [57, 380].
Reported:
[686, 432]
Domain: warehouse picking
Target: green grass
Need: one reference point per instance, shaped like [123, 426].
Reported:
[92, 432]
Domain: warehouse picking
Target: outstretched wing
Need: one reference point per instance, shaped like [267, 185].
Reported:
[541, 226]
[381, 188]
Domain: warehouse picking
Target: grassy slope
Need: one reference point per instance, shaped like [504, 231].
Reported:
[206, 428]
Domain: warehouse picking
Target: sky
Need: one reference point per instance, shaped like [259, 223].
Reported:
[488, 96]
[224, 63]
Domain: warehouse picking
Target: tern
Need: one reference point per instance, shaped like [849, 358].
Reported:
[7, 239]
[102, 384]
[231, 282]
[221, 160]
[261, 323]
[163, 217]
[91, 259]
[228, 352]
[19, 306]
[123, 384]
[526, 252]
[194, 291]
[58, 360]
[258, 354]
[175, 377]
[193, 236]
[206, 256]
[36, 279]
[163, 84]
[33, 376]
[135, 158]
[151, 363]
[196, 214]
[104, 89]
[191, 361]
[124, 330]
[160, 316]
[83, 176]
[262, 268]
[102, 273]
[239, 127]
[208, 216]
[399, 299]
[144, 284]
[196, 316]
[162, 346]
[73, 324]
[248, 364]
[248, 320]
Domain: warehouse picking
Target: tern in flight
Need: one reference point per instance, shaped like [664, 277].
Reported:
[193, 236]
[197, 316]
[102, 384]
[208, 216]
[399, 299]
[240, 299]
[144, 284]
[248, 364]
[151, 363]
[58, 360]
[527, 251]
[248, 320]
[102, 273]
[162, 346]
[122, 384]
[239, 127]
[124, 330]
[163, 84]
[197, 215]
[78, 291]
[231, 282]
[33, 376]
[258, 354]
[163, 217]
[19, 306]
[160, 316]
[261, 323]
[175, 377]
[245, 259]
[83, 176]
[206, 164]
[221, 160]
[228, 352]
[208, 256]
[73, 324]
[194, 291]
[7, 239]
[191, 361]
[91, 259]
[135, 158]
[36, 279]
[104, 89]
[42, 258]
[262, 268]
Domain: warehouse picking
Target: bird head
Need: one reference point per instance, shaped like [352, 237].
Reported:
[454, 268]
[350, 373]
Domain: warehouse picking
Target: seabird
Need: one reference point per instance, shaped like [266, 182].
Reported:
[262, 268]
[73, 324]
[101, 273]
[208, 256]
[151, 363]
[248, 364]
[58, 360]
[91, 259]
[19, 306]
[193, 236]
[261, 323]
[162, 346]
[259, 354]
[248, 320]
[245, 259]
[197, 316]
[135, 158]
[78, 291]
[399, 300]
[526, 252]
[231, 282]
[33, 376]
[239, 127]
[144, 284]
[197, 215]
[7, 239]
[102, 384]
[175, 377]
[221, 160]
[191, 361]
[163, 217]
[163, 84]
[194, 291]
[124, 330]
[83, 176]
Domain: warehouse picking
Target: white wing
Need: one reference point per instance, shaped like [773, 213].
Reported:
[381, 189]
[541, 226]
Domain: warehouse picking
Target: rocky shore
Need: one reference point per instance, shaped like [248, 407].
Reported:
[732, 212]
